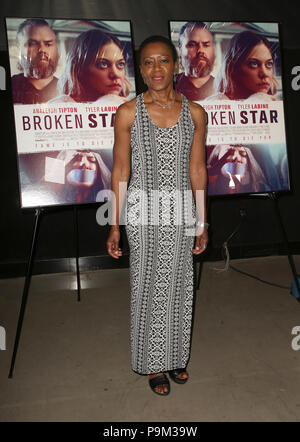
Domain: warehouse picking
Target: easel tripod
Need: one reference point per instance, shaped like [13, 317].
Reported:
[273, 196]
[38, 212]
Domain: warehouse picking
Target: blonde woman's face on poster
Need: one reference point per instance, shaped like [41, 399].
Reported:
[256, 71]
[105, 75]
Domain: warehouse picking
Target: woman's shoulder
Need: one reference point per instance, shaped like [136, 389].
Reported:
[196, 109]
[198, 114]
[126, 111]
[62, 99]
[215, 97]
[128, 106]
[261, 97]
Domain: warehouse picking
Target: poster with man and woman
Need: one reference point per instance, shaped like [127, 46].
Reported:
[233, 70]
[68, 78]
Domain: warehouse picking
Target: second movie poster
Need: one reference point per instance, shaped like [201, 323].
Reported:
[68, 78]
[234, 71]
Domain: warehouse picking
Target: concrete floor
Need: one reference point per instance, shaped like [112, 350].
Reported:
[73, 362]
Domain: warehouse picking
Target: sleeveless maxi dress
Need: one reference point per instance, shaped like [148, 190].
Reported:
[161, 259]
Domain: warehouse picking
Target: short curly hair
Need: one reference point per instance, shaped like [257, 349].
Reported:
[158, 39]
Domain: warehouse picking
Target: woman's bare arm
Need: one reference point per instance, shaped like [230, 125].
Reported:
[198, 172]
[120, 172]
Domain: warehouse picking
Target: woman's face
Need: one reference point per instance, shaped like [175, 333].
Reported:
[236, 160]
[157, 65]
[83, 171]
[105, 75]
[256, 71]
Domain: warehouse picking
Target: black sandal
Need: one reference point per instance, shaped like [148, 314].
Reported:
[159, 380]
[174, 373]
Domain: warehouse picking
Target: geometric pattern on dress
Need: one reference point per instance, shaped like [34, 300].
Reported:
[161, 259]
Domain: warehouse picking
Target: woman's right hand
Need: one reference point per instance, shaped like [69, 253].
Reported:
[112, 243]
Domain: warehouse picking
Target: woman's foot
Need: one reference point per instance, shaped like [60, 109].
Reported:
[180, 375]
[159, 383]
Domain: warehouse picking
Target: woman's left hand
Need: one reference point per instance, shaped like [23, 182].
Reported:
[201, 241]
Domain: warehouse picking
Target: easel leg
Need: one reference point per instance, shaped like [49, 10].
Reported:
[77, 252]
[25, 291]
[273, 196]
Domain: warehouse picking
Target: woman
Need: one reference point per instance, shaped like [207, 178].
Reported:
[95, 67]
[165, 133]
[247, 70]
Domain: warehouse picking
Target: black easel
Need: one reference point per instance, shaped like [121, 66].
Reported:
[274, 197]
[38, 212]
[77, 252]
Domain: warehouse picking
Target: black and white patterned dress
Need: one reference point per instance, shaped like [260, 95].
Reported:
[161, 259]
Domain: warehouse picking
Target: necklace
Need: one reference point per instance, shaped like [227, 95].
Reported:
[164, 106]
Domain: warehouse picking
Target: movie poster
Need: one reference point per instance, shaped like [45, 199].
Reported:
[68, 78]
[234, 71]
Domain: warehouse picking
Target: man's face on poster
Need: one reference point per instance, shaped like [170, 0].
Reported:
[39, 55]
[197, 52]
